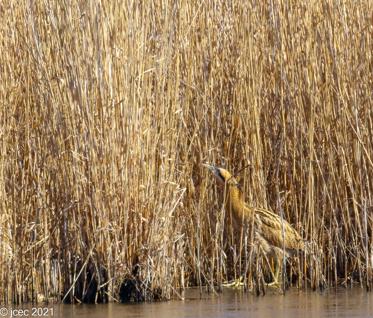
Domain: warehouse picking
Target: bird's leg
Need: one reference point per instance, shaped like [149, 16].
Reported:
[236, 283]
[276, 281]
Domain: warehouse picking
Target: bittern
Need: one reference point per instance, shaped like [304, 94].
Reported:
[271, 233]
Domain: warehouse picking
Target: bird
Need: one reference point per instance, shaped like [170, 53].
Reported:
[272, 233]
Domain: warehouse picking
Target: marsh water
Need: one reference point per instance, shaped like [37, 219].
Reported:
[354, 302]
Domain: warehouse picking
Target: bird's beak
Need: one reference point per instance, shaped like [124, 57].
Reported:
[213, 169]
[216, 172]
[208, 166]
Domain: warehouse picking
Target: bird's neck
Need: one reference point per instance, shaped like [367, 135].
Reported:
[234, 201]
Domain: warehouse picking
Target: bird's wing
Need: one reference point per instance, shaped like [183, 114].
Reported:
[270, 226]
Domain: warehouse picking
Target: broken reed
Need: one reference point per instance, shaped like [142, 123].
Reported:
[109, 108]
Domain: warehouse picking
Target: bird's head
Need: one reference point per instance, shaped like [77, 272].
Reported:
[222, 175]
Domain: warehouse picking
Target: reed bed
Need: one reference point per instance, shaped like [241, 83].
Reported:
[108, 109]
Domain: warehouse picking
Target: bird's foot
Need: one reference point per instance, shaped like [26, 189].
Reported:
[236, 283]
[275, 284]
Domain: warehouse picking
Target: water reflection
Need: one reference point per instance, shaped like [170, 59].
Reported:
[341, 303]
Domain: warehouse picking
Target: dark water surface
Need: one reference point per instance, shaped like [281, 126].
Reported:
[231, 303]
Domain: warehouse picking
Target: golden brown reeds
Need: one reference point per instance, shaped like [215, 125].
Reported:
[109, 107]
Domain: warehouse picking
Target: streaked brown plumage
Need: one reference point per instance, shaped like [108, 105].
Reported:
[271, 232]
